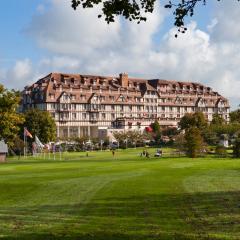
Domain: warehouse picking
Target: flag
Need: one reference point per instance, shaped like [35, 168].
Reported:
[27, 133]
[148, 129]
[38, 142]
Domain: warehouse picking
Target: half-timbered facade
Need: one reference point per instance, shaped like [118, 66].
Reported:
[86, 105]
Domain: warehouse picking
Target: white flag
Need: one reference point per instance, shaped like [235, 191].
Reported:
[38, 142]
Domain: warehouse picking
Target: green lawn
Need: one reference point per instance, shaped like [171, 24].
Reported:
[125, 197]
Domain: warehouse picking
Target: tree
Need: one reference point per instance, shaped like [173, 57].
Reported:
[217, 119]
[180, 143]
[236, 147]
[10, 120]
[193, 142]
[196, 119]
[41, 123]
[134, 10]
[156, 130]
[235, 116]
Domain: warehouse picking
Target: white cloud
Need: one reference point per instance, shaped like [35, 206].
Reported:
[19, 75]
[76, 41]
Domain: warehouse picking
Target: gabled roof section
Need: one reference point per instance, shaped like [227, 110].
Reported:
[121, 98]
[94, 98]
[200, 102]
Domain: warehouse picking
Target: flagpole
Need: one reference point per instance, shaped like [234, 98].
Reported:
[26, 145]
[24, 141]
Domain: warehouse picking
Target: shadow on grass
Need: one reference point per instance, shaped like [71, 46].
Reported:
[175, 216]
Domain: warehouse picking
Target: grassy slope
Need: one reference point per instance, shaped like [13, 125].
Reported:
[125, 197]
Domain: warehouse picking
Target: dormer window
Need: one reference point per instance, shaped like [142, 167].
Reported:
[83, 97]
[122, 98]
[73, 97]
[51, 96]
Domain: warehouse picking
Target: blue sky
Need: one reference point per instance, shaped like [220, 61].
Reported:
[47, 35]
[17, 16]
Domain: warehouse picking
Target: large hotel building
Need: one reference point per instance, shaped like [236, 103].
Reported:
[95, 106]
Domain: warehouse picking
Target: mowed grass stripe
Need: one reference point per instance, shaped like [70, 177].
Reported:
[125, 197]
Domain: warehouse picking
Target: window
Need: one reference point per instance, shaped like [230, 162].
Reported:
[52, 96]
[52, 106]
[74, 107]
[112, 107]
[74, 116]
[65, 115]
[121, 107]
[83, 97]
[139, 108]
[171, 108]
[111, 98]
[163, 108]
[137, 99]
[122, 98]
[64, 106]
[84, 115]
[53, 115]
[103, 107]
[130, 108]
[113, 116]
[73, 97]
[103, 115]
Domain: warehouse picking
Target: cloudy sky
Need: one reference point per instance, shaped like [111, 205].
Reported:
[42, 36]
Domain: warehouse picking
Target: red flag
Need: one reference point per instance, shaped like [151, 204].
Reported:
[149, 129]
[27, 133]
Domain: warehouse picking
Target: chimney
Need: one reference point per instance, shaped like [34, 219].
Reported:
[123, 77]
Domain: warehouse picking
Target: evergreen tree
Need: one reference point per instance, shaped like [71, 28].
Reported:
[193, 142]
[236, 147]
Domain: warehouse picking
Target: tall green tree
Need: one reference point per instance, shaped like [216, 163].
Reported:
[236, 147]
[196, 119]
[10, 119]
[42, 124]
[156, 134]
[194, 144]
